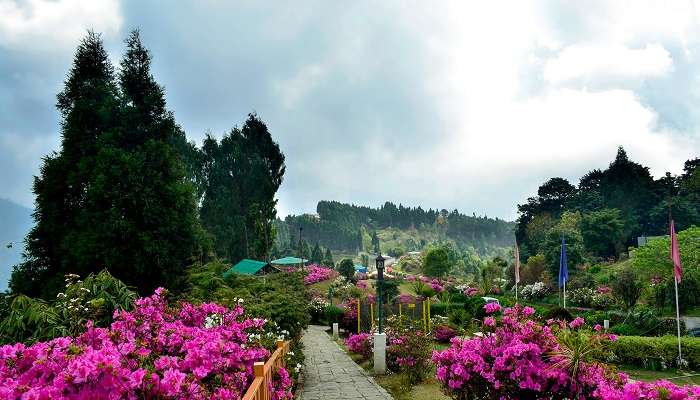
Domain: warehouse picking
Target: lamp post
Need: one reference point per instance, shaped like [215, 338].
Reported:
[380, 337]
[380, 288]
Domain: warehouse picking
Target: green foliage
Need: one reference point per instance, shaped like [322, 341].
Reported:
[390, 289]
[242, 173]
[688, 290]
[642, 351]
[627, 287]
[32, 319]
[333, 314]
[436, 262]
[654, 257]
[558, 313]
[115, 196]
[475, 307]
[568, 227]
[280, 297]
[616, 205]
[346, 268]
[603, 232]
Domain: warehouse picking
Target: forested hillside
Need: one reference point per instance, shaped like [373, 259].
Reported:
[348, 227]
[605, 213]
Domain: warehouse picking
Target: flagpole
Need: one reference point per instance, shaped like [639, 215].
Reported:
[516, 292]
[678, 322]
[564, 293]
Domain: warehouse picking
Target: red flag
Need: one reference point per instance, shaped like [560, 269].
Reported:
[675, 254]
[517, 263]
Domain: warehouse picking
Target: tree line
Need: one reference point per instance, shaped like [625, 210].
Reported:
[128, 192]
[605, 213]
[342, 226]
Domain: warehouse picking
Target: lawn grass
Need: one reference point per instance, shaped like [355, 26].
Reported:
[677, 377]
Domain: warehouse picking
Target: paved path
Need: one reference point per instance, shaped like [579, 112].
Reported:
[330, 374]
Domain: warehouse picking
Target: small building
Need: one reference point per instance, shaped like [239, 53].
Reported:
[289, 261]
[360, 269]
[251, 268]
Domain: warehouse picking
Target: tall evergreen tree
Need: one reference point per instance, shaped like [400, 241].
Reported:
[316, 254]
[243, 172]
[88, 108]
[136, 214]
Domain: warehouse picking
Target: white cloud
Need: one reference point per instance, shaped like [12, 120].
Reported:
[55, 25]
[588, 63]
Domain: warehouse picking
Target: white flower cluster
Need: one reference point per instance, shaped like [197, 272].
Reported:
[213, 320]
[536, 290]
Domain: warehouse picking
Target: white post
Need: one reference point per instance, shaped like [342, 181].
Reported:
[335, 331]
[606, 324]
[380, 353]
[565, 293]
[516, 292]
[678, 322]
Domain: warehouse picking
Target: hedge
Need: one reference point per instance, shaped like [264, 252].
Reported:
[645, 351]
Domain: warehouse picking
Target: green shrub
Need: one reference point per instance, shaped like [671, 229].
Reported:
[475, 307]
[594, 269]
[333, 314]
[643, 350]
[459, 318]
[558, 313]
[444, 308]
[625, 330]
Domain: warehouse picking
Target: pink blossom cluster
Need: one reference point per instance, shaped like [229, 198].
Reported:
[362, 284]
[604, 289]
[406, 299]
[318, 274]
[471, 291]
[444, 333]
[521, 358]
[360, 344]
[155, 351]
[437, 286]
[492, 307]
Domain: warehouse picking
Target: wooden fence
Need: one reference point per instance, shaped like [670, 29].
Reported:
[264, 371]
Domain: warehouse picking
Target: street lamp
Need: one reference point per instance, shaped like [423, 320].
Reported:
[380, 287]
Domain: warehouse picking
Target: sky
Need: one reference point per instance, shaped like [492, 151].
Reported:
[449, 104]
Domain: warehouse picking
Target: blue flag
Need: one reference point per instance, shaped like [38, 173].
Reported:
[563, 264]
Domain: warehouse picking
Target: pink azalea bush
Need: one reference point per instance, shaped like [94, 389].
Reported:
[318, 274]
[444, 333]
[520, 358]
[155, 351]
[360, 344]
[406, 299]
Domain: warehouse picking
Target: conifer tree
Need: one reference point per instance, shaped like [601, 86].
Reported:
[88, 108]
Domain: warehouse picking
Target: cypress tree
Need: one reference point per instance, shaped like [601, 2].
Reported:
[88, 108]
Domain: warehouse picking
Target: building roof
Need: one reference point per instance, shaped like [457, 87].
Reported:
[289, 261]
[246, 267]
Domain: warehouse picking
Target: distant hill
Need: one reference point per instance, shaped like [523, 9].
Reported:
[15, 223]
[348, 228]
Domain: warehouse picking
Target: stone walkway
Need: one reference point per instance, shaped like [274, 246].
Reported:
[330, 374]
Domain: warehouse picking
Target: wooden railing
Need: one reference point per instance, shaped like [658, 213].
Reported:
[259, 389]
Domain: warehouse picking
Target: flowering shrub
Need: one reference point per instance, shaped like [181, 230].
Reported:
[581, 297]
[534, 291]
[471, 291]
[406, 299]
[409, 353]
[155, 351]
[317, 308]
[360, 344]
[444, 333]
[349, 319]
[519, 358]
[491, 308]
[318, 274]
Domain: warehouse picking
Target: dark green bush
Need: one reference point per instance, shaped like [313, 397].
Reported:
[639, 350]
[475, 307]
[558, 313]
[444, 308]
[625, 329]
[594, 269]
[333, 314]
[459, 318]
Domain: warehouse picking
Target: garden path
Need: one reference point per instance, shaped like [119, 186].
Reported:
[331, 374]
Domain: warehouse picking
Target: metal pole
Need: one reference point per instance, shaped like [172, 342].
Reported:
[678, 322]
[564, 293]
[380, 281]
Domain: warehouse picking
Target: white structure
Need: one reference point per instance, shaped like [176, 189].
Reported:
[380, 353]
[335, 331]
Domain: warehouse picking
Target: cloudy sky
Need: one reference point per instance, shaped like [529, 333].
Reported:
[440, 104]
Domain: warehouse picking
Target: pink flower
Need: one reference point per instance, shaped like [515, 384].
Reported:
[577, 322]
[597, 327]
[528, 311]
[490, 321]
[492, 307]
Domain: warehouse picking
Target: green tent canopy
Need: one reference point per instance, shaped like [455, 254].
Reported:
[250, 267]
[289, 261]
